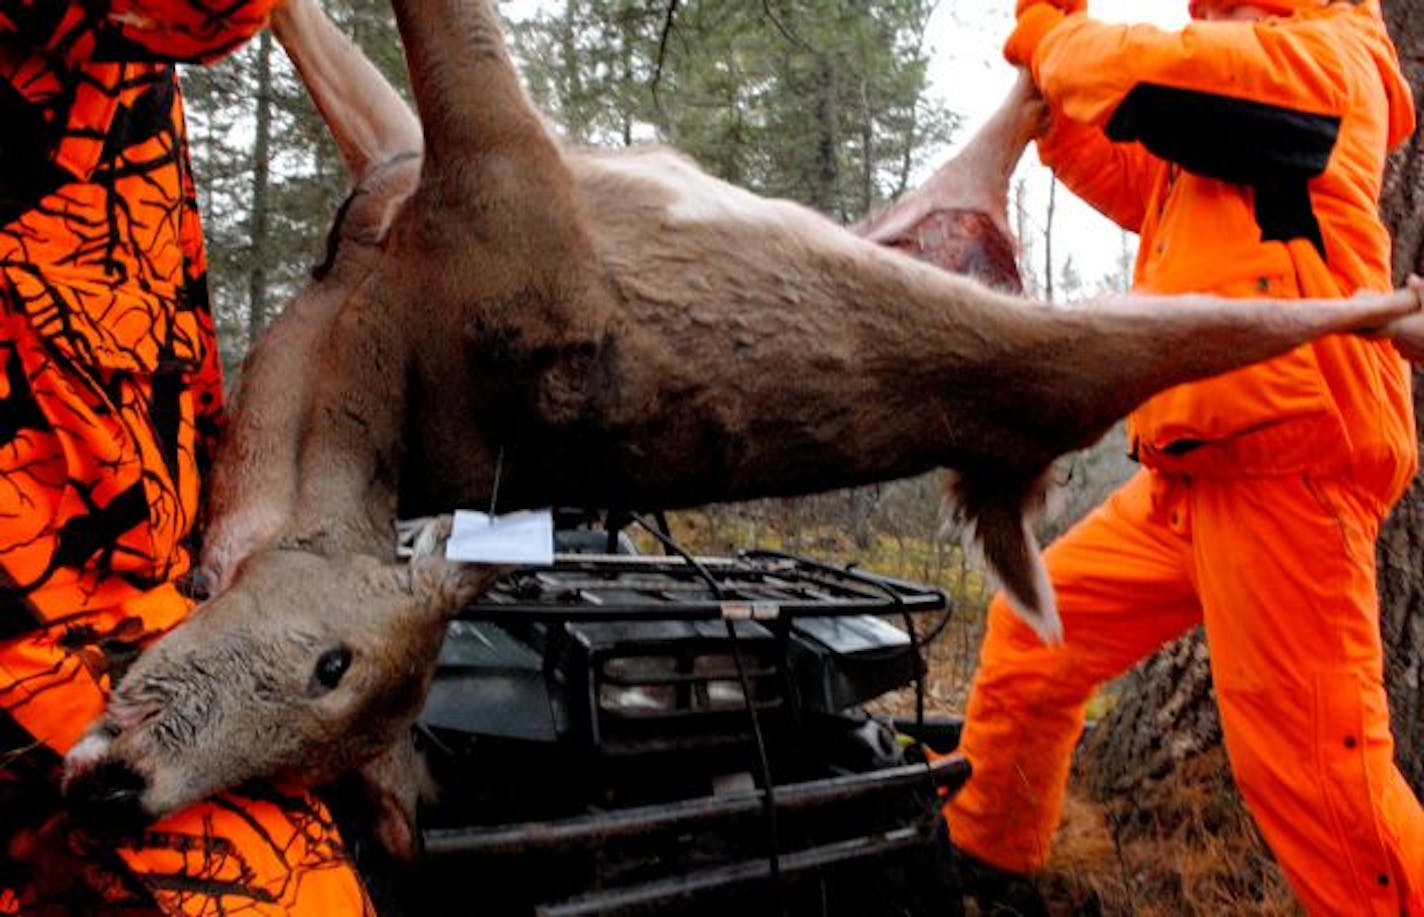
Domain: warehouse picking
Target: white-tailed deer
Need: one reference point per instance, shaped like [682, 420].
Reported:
[610, 329]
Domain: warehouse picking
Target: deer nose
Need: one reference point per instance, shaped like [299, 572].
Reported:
[108, 798]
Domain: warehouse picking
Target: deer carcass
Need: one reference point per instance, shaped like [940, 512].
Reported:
[591, 328]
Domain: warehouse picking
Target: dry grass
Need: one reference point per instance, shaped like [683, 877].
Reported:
[1183, 845]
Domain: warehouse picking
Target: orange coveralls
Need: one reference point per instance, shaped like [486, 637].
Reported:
[110, 399]
[1249, 156]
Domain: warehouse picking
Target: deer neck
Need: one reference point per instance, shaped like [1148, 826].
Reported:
[349, 460]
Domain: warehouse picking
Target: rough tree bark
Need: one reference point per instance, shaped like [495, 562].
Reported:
[258, 223]
[1167, 712]
[1401, 547]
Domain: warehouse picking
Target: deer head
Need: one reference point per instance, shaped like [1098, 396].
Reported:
[261, 687]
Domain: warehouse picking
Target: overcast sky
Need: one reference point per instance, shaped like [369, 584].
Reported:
[970, 74]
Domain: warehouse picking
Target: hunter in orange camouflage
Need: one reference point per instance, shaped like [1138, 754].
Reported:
[110, 402]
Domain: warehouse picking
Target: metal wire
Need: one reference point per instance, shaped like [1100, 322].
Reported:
[764, 761]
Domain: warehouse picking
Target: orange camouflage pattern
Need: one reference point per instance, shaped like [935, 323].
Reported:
[110, 406]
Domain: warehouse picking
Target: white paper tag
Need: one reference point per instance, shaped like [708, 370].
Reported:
[515, 538]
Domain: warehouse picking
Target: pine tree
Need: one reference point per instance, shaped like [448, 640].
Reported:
[818, 101]
[268, 175]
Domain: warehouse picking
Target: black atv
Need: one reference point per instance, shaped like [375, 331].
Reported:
[626, 734]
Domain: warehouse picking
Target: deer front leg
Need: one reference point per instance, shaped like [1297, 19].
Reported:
[958, 219]
[494, 182]
[1408, 333]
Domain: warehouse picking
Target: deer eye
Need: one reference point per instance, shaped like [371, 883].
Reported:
[331, 667]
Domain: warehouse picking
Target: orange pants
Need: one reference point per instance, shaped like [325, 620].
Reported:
[1281, 572]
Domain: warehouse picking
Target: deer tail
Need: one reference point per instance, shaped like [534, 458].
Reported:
[998, 511]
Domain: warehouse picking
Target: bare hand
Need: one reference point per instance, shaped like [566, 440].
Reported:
[1408, 333]
[1037, 117]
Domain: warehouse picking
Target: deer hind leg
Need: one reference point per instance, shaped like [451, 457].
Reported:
[490, 163]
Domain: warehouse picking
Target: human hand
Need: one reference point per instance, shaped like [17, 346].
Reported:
[1037, 117]
[1407, 334]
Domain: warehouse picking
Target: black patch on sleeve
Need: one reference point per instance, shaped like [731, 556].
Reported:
[1275, 150]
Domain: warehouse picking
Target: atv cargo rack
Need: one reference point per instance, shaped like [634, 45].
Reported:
[755, 585]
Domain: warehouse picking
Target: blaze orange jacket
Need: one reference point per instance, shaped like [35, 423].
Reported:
[101, 244]
[1249, 158]
[110, 387]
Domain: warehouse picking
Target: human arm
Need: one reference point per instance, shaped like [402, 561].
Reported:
[1114, 178]
[182, 30]
[134, 30]
[1236, 101]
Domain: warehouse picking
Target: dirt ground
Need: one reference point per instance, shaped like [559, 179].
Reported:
[1183, 846]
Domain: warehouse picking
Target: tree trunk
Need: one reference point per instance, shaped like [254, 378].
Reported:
[1166, 713]
[827, 174]
[1401, 545]
[1048, 239]
[261, 181]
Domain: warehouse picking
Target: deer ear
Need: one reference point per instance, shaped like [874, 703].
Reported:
[448, 585]
[393, 784]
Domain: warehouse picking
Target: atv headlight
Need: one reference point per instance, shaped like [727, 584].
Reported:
[694, 683]
[638, 684]
[722, 688]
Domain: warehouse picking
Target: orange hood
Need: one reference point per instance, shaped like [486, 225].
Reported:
[1396, 87]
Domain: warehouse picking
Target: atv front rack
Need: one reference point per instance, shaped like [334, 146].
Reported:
[756, 585]
[625, 734]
